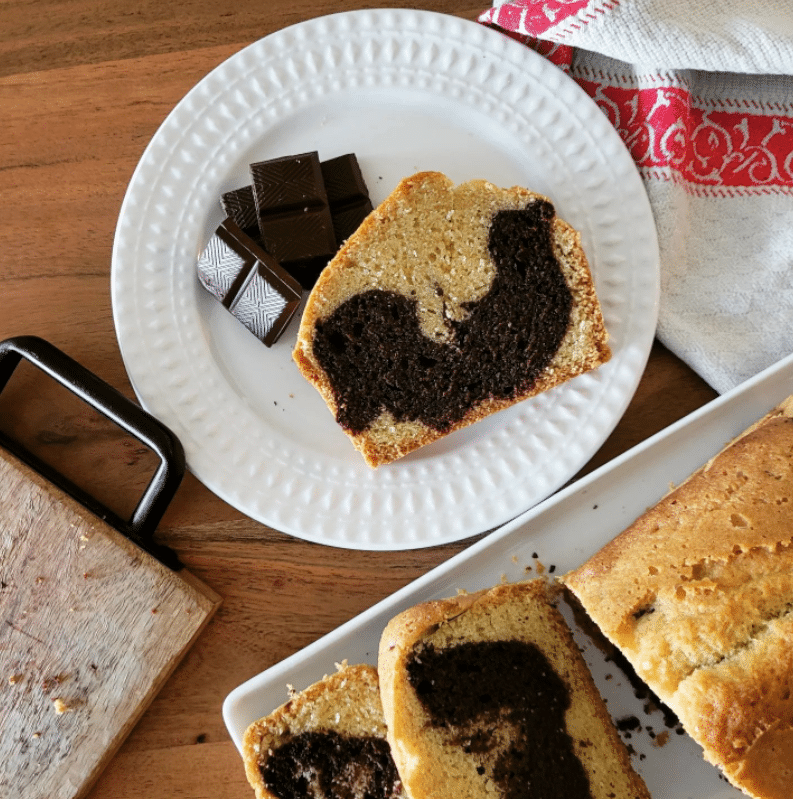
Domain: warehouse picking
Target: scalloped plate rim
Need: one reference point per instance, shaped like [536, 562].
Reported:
[224, 476]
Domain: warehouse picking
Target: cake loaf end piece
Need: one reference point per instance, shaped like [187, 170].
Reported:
[698, 595]
[326, 742]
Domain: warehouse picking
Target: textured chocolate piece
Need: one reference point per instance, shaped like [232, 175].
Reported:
[292, 209]
[240, 207]
[348, 195]
[346, 198]
[248, 282]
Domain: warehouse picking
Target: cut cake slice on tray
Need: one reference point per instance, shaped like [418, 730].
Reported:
[326, 742]
[487, 695]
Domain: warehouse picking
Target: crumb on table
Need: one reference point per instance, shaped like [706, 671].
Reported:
[61, 706]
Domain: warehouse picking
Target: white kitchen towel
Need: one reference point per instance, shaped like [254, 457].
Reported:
[702, 95]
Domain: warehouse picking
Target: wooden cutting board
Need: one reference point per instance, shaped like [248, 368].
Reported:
[90, 628]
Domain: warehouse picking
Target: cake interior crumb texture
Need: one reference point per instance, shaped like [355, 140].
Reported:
[449, 303]
[326, 742]
[487, 695]
[698, 595]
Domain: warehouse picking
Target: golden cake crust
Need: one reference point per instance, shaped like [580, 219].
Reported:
[698, 594]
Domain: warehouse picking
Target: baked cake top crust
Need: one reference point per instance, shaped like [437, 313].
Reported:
[698, 595]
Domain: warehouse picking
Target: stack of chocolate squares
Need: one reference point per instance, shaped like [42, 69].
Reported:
[279, 234]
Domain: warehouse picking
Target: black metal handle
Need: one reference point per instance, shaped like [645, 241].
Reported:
[116, 407]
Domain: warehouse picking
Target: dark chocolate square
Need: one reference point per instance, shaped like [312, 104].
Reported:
[295, 194]
[240, 206]
[288, 183]
[248, 282]
[348, 195]
[293, 213]
[294, 238]
[343, 180]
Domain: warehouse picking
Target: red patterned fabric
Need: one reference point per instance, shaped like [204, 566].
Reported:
[535, 19]
[706, 143]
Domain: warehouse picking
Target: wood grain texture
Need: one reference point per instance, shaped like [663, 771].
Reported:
[91, 628]
[55, 33]
[83, 87]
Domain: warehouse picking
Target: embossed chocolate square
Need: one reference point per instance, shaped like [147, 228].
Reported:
[248, 282]
[348, 196]
[292, 208]
[240, 207]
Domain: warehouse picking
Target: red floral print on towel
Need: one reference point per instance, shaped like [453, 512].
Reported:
[531, 18]
[727, 145]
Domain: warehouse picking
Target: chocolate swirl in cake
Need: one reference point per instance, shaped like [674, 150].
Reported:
[377, 358]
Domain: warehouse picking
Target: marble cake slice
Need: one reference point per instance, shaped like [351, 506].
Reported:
[326, 742]
[487, 695]
[448, 304]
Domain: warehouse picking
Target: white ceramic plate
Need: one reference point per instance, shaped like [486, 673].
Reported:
[405, 91]
[561, 532]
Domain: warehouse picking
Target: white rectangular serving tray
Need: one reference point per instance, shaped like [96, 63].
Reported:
[559, 533]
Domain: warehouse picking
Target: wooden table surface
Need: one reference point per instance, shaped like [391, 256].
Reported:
[83, 87]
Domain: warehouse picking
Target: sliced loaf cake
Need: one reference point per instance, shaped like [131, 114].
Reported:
[698, 595]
